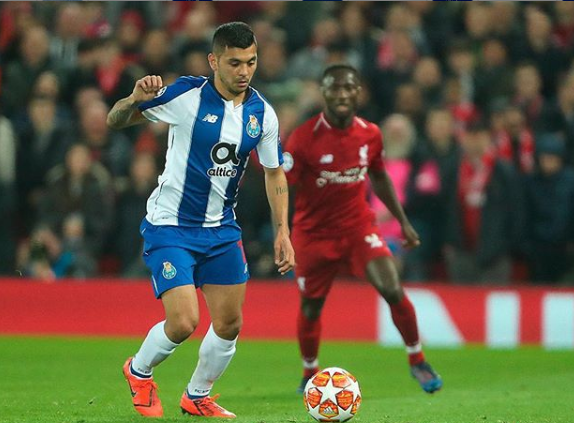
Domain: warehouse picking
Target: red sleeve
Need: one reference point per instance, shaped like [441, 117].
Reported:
[293, 160]
[377, 163]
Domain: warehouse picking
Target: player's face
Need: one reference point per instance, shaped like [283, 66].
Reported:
[341, 92]
[234, 68]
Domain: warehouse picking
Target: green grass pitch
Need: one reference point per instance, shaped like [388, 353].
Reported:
[77, 380]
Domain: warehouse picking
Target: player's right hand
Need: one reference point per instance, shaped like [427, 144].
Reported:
[147, 88]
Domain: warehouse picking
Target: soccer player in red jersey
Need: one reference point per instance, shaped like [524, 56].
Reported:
[328, 160]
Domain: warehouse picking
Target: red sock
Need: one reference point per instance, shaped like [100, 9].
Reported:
[309, 335]
[405, 320]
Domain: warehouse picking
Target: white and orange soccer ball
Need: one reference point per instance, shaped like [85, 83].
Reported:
[332, 395]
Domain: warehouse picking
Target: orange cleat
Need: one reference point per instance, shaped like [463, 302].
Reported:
[144, 393]
[205, 407]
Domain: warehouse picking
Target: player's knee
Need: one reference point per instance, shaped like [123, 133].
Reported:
[312, 308]
[229, 327]
[181, 328]
[392, 294]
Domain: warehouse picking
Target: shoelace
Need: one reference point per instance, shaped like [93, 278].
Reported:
[210, 401]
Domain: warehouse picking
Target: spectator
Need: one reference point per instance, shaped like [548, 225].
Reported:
[112, 149]
[395, 61]
[506, 26]
[559, 116]
[461, 67]
[399, 136]
[494, 76]
[550, 207]
[484, 215]
[273, 77]
[539, 48]
[428, 77]
[130, 210]
[84, 73]
[528, 93]
[434, 164]
[83, 187]
[463, 111]
[129, 34]
[563, 31]
[22, 73]
[67, 34]
[43, 145]
[8, 145]
[515, 143]
[309, 62]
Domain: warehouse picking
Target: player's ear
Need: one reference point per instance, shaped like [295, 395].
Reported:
[212, 61]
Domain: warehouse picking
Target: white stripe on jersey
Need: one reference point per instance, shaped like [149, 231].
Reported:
[231, 126]
[171, 182]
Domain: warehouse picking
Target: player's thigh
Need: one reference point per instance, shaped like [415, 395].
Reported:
[222, 278]
[181, 308]
[366, 246]
[170, 267]
[318, 263]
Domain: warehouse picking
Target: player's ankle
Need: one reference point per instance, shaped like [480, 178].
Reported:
[416, 358]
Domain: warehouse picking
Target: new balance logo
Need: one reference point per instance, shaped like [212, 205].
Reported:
[326, 159]
[210, 118]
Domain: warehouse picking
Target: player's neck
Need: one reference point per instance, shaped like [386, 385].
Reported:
[228, 95]
[339, 123]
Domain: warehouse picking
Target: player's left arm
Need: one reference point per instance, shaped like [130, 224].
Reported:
[278, 197]
[384, 189]
[271, 157]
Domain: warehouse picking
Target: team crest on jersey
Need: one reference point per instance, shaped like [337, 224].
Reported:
[253, 128]
[169, 270]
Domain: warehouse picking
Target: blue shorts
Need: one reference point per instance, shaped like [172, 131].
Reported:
[180, 256]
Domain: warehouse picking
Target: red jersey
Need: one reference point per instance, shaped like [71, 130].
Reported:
[328, 168]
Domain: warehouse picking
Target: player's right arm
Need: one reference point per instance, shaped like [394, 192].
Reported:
[125, 112]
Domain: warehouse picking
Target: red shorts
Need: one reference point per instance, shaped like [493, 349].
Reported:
[320, 260]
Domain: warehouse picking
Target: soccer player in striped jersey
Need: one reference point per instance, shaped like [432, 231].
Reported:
[191, 237]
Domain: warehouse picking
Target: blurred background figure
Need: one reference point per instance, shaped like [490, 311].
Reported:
[132, 199]
[484, 215]
[399, 138]
[433, 176]
[549, 210]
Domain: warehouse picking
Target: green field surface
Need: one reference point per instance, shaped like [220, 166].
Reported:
[79, 380]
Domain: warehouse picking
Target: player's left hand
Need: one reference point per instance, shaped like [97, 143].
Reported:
[411, 236]
[284, 253]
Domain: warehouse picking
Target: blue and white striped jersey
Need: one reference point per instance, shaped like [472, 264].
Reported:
[209, 144]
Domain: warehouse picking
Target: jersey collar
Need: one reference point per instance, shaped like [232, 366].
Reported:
[247, 94]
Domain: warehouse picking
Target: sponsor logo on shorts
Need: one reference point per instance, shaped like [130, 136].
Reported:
[169, 271]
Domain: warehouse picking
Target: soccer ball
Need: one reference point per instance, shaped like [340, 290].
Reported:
[332, 395]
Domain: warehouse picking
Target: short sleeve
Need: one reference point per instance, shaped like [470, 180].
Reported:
[293, 157]
[377, 163]
[269, 147]
[169, 104]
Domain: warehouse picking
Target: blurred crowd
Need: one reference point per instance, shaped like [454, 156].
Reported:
[475, 101]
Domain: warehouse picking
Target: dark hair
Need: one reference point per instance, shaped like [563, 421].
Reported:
[232, 34]
[340, 67]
